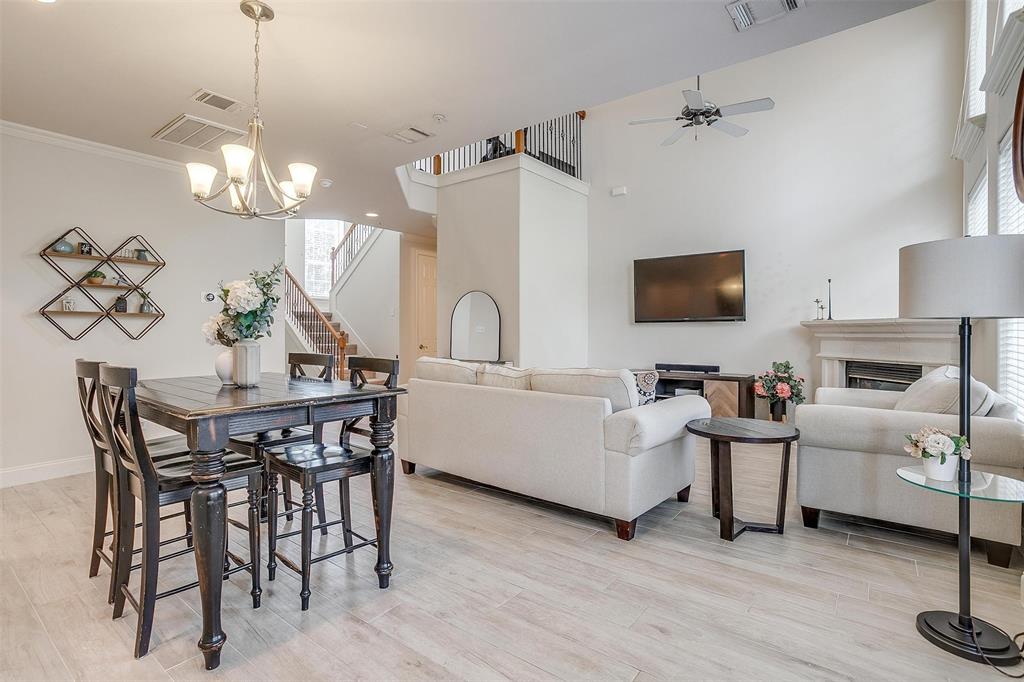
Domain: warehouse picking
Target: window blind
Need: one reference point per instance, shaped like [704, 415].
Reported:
[976, 53]
[321, 236]
[977, 207]
[1010, 342]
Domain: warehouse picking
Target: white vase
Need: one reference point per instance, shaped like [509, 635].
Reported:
[247, 363]
[224, 365]
[941, 472]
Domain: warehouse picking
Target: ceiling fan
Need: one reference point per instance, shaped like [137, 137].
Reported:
[699, 112]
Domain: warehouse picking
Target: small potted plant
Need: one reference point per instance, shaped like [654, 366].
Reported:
[95, 277]
[146, 306]
[779, 385]
[939, 450]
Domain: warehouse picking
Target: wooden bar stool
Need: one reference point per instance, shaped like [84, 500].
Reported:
[161, 450]
[254, 445]
[139, 477]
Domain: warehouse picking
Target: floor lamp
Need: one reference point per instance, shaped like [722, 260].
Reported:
[970, 277]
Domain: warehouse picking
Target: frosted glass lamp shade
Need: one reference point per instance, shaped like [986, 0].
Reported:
[302, 178]
[200, 176]
[237, 161]
[980, 277]
[288, 189]
[236, 192]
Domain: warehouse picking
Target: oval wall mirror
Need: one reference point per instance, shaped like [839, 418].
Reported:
[476, 328]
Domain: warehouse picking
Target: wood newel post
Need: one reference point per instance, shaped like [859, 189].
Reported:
[437, 164]
[520, 141]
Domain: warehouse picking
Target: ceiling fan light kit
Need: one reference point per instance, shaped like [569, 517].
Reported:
[246, 166]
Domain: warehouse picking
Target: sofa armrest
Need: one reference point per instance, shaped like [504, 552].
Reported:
[856, 397]
[999, 442]
[639, 429]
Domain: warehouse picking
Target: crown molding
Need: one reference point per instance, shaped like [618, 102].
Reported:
[1007, 55]
[49, 137]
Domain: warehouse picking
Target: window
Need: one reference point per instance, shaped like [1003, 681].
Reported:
[976, 223]
[321, 238]
[1010, 335]
[976, 52]
[1006, 8]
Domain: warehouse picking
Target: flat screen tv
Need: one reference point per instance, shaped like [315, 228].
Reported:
[695, 288]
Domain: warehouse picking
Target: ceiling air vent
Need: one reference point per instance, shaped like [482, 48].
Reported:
[746, 14]
[410, 135]
[217, 101]
[198, 133]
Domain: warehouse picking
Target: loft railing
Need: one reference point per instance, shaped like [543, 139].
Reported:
[348, 248]
[557, 142]
[314, 327]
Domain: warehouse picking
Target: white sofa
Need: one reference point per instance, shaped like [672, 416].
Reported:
[851, 443]
[577, 438]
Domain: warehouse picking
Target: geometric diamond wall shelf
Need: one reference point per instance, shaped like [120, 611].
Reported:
[134, 254]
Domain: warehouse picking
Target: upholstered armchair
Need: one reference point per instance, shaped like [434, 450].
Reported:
[851, 444]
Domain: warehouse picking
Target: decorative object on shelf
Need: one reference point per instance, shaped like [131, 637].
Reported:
[780, 385]
[246, 316]
[246, 166]
[84, 248]
[121, 304]
[146, 306]
[818, 308]
[142, 254]
[830, 298]
[95, 277]
[936, 283]
[939, 450]
[62, 246]
[67, 305]
[81, 283]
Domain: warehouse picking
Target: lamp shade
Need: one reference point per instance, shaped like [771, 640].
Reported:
[980, 277]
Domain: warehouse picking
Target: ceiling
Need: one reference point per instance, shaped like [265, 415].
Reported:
[115, 71]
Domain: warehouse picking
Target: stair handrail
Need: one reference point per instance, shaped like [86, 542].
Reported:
[311, 322]
[348, 248]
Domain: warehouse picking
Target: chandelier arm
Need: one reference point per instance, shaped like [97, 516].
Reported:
[273, 188]
[244, 216]
[291, 209]
[216, 194]
[241, 199]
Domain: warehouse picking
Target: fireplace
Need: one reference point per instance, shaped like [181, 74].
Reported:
[884, 376]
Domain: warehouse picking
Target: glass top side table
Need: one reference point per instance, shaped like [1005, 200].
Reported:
[960, 633]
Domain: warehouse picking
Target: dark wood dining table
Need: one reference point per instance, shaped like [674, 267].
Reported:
[208, 413]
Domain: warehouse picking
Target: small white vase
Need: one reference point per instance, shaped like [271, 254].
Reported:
[247, 363]
[941, 472]
[224, 365]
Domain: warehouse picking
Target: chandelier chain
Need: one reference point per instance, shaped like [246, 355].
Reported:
[256, 75]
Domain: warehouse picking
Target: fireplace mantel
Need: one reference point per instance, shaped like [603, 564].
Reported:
[929, 343]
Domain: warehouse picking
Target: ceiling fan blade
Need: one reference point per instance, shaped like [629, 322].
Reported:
[674, 137]
[694, 99]
[753, 105]
[728, 128]
[645, 121]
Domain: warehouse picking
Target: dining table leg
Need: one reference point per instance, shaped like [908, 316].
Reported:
[209, 511]
[383, 483]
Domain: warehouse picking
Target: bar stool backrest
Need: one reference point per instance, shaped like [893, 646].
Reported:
[358, 365]
[297, 360]
[88, 373]
[122, 424]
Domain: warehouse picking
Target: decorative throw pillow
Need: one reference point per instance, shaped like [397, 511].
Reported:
[503, 376]
[443, 369]
[617, 385]
[938, 392]
[646, 382]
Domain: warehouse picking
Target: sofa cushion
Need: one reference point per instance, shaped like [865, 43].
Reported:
[646, 383]
[617, 385]
[938, 392]
[503, 376]
[443, 369]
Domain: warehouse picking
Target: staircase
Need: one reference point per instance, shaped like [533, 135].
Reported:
[315, 327]
[343, 255]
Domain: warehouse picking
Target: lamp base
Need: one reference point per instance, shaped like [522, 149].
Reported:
[943, 629]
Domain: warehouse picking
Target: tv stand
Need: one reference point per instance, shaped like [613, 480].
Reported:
[730, 395]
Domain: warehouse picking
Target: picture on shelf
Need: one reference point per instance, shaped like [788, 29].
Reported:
[67, 305]
[84, 249]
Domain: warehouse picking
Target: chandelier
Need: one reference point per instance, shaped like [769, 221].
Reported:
[246, 165]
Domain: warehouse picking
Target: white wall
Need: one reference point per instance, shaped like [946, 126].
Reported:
[853, 163]
[51, 183]
[365, 301]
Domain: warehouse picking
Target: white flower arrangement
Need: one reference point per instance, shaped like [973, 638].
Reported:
[933, 442]
[248, 311]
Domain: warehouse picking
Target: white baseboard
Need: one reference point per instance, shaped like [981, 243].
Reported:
[33, 473]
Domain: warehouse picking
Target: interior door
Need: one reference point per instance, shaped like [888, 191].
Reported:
[426, 303]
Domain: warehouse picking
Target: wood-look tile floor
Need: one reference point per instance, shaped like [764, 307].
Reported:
[490, 586]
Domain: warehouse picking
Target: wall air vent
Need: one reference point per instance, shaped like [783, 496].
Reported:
[197, 133]
[746, 14]
[410, 135]
[217, 101]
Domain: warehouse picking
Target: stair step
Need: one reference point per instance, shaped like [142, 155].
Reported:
[351, 349]
[336, 326]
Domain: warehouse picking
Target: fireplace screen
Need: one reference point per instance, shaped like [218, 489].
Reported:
[885, 376]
